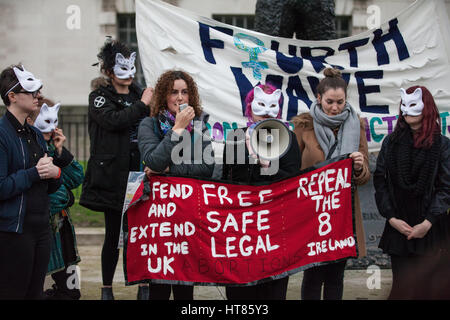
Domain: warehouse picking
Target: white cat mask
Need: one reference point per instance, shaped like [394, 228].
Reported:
[125, 68]
[47, 120]
[412, 104]
[265, 103]
[27, 80]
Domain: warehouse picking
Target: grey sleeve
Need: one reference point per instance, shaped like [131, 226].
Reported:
[201, 162]
[155, 152]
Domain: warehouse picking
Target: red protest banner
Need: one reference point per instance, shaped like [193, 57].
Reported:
[204, 232]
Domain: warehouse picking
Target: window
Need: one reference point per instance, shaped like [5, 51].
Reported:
[243, 21]
[343, 26]
[126, 31]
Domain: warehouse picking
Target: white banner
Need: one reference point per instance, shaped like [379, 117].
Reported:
[226, 62]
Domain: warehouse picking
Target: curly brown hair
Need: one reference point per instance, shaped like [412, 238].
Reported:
[163, 87]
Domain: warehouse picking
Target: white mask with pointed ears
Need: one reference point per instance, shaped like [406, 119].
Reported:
[266, 103]
[412, 104]
[27, 80]
[47, 120]
[125, 68]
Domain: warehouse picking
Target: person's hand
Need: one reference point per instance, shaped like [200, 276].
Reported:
[149, 172]
[44, 160]
[358, 160]
[147, 96]
[401, 226]
[263, 162]
[46, 169]
[58, 140]
[183, 119]
[251, 152]
[420, 230]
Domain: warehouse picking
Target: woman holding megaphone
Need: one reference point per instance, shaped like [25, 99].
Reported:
[332, 128]
[252, 164]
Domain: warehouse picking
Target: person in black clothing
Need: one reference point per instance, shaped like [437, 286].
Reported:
[116, 107]
[27, 176]
[263, 102]
[412, 191]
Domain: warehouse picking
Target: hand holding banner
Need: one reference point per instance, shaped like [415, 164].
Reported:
[187, 230]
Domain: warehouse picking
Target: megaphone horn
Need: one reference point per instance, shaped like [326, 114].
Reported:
[270, 139]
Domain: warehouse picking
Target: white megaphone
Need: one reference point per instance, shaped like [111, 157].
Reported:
[270, 139]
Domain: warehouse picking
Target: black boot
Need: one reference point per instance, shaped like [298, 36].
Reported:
[56, 293]
[107, 293]
[143, 293]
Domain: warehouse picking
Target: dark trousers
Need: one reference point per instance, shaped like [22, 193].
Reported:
[331, 276]
[441, 287]
[415, 277]
[110, 252]
[271, 290]
[64, 279]
[162, 292]
[23, 263]
[61, 279]
[113, 219]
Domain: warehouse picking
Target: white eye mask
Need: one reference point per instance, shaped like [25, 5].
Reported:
[266, 104]
[412, 104]
[27, 80]
[47, 120]
[124, 68]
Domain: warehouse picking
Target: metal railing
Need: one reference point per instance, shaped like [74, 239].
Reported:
[75, 128]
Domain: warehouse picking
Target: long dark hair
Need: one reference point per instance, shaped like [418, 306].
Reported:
[431, 121]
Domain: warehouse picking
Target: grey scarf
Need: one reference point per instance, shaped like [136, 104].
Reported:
[348, 134]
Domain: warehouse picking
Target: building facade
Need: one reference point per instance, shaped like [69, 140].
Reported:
[59, 40]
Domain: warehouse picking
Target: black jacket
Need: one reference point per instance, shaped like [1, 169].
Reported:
[247, 172]
[436, 202]
[18, 176]
[110, 121]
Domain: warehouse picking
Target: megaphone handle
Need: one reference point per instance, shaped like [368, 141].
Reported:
[251, 152]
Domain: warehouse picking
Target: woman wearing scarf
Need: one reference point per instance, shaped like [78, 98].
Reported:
[332, 128]
[412, 185]
[161, 132]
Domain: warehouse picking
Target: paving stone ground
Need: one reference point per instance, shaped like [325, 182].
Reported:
[355, 281]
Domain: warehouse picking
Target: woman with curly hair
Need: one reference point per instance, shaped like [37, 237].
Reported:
[116, 106]
[161, 132]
